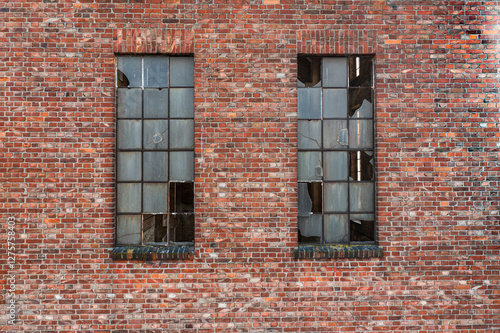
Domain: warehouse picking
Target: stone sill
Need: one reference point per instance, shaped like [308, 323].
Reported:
[149, 253]
[359, 251]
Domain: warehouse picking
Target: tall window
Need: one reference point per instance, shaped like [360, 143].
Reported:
[155, 150]
[336, 189]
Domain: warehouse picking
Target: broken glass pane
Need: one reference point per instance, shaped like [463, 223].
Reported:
[336, 229]
[361, 197]
[155, 103]
[155, 198]
[310, 165]
[309, 103]
[361, 134]
[335, 165]
[181, 103]
[360, 103]
[309, 134]
[128, 134]
[310, 198]
[128, 166]
[362, 228]
[128, 229]
[305, 201]
[335, 134]
[155, 166]
[129, 103]
[361, 165]
[335, 197]
[156, 71]
[310, 229]
[131, 67]
[182, 133]
[181, 71]
[335, 103]
[308, 71]
[361, 73]
[182, 165]
[128, 198]
[181, 197]
[335, 72]
[155, 134]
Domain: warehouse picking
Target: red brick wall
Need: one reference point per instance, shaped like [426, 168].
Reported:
[437, 140]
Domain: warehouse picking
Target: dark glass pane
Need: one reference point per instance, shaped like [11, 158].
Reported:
[182, 165]
[128, 198]
[155, 134]
[182, 133]
[131, 67]
[362, 228]
[309, 103]
[156, 71]
[335, 197]
[181, 72]
[335, 134]
[360, 103]
[336, 229]
[128, 229]
[361, 165]
[311, 229]
[128, 166]
[361, 134]
[310, 165]
[335, 103]
[129, 103]
[309, 134]
[156, 166]
[335, 72]
[156, 103]
[181, 103]
[360, 72]
[361, 197]
[335, 165]
[155, 198]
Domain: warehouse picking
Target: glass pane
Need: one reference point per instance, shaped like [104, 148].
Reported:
[181, 71]
[362, 228]
[361, 134]
[336, 229]
[181, 197]
[309, 134]
[128, 198]
[335, 72]
[131, 67]
[335, 165]
[182, 133]
[128, 229]
[155, 134]
[310, 165]
[182, 165]
[182, 103]
[156, 103]
[361, 72]
[129, 103]
[156, 166]
[155, 71]
[129, 133]
[335, 134]
[155, 199]
[360, 103]
[335, 197]
[335, 103]
[361, 197]
[309, 103]
[361, 165]
[310, 229]
[128, 166]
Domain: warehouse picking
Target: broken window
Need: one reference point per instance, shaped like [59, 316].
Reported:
[155, 150]
[336, 190]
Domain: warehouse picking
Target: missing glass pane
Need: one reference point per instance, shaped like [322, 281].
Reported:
[361, 165]
[154, 228]
[360, 71]
[362, 228]
[309, 71]
[181, 197]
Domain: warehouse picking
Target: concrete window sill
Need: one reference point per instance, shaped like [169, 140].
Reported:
[337, 251]
[149, 253]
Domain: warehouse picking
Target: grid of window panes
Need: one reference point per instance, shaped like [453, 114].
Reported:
[336, 189]
[155, 149]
